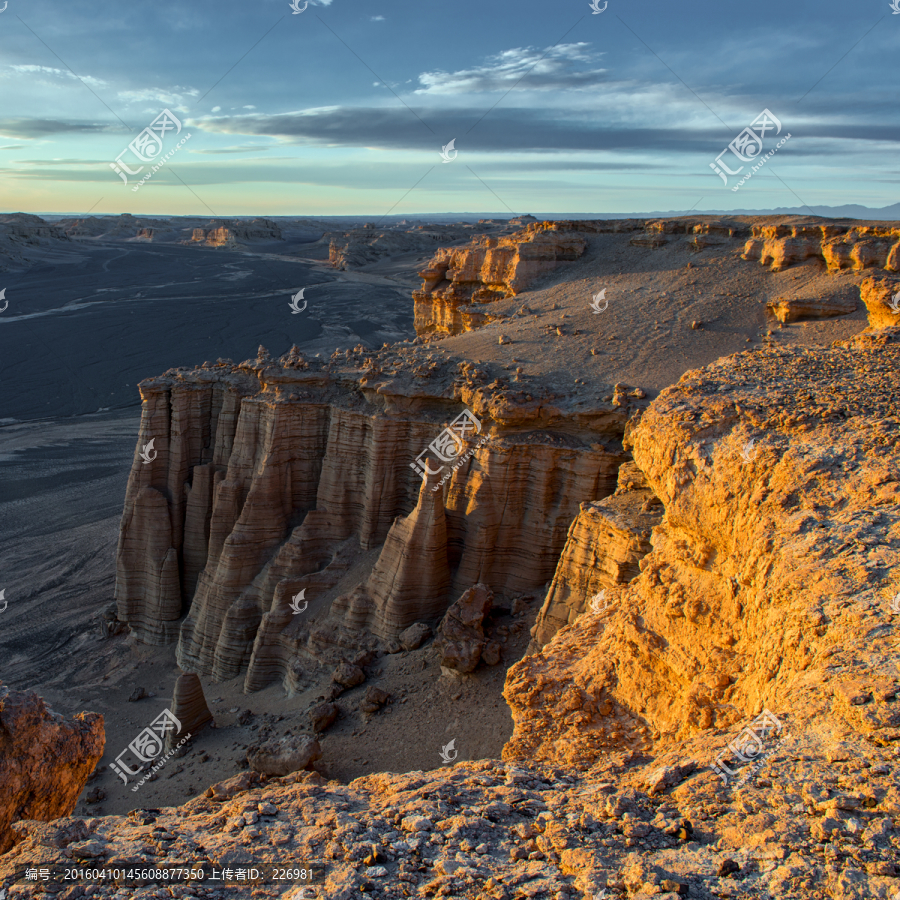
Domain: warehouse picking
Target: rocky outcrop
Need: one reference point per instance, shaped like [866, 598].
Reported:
[768, 583]
[284, 755]
[696, 234]
[793, 309]
[882, 299]
[353, 249]
[488, 269]
[272, 477]
[45, 760]
[232, 233]
[189, 707]
[26, 239]
[839, 246]
[460, 636]
[605, 545]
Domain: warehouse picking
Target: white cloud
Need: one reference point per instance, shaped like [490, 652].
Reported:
[57, 73]
[549, 70]
[171, 99]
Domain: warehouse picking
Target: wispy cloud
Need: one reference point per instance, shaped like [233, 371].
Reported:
[26, 127]
[50, 72]
[546, 70]
[173, 99]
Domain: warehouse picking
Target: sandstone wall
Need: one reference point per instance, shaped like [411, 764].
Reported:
[770, 573]
[269, 477]
[488, 269]
[605, 544]
[839, 246]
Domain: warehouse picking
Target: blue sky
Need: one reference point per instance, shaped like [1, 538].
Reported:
[344, 108]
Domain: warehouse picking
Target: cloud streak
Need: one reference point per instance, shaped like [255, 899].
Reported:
[535, 70]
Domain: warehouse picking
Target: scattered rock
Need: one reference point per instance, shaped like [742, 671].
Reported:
[137, 694]
[227, 789]
[461, 634]
[348, 675]
[285, 755]
[375, 698]
[323, 716]
[87, 849]
[668, 776]
[490, 656]
[415, 636]
[95, 795]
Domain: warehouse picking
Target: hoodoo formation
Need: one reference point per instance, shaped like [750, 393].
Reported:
[672, 526]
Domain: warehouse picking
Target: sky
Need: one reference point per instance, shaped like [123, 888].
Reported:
[346, 107]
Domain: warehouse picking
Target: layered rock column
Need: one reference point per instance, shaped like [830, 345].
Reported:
[270, 479]
[605, 545]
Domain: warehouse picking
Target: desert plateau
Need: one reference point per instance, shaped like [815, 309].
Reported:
[351, 549]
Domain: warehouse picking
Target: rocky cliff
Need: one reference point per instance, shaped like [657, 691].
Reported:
[769, 581]
[723, 726]
[45, 760]
[838, 245]
[26, 239]
[232, 233]
[489, 269]
[275, 477]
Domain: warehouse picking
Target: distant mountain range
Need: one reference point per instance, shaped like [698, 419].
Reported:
[848, 211]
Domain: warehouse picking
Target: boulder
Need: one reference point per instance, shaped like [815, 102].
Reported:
[285, 755]
[323, 716]
[45, 760]
[375, 698]
[461, 634]
[348, 675]
[415, 636]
